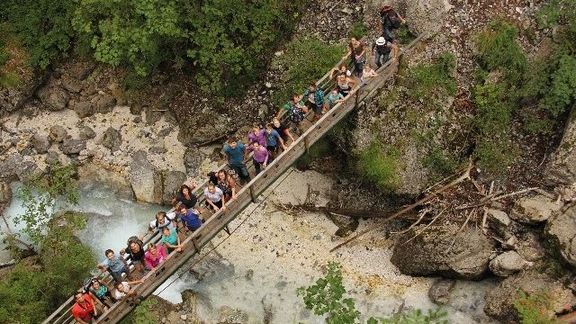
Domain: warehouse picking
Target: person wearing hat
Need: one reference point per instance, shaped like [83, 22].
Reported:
[383, 50]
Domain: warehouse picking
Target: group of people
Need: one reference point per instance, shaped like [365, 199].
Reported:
[265, 142]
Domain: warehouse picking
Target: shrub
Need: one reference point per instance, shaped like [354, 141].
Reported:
[424, 81]
[358, 30]
[433, 316]
[4, 56]
[305, 60]
[440, 163]
[380, 165]
[534, 308]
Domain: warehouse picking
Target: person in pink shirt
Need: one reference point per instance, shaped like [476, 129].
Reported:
[257, 134]
[260, 156]
[154, 256]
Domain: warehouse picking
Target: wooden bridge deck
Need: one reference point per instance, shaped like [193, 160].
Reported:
[248, 194]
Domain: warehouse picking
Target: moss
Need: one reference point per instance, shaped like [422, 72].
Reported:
[380, 164]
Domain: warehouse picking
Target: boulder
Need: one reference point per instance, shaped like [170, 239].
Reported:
[86, 133]
[72, 146]
[40, 142]
[71, 84]
[52, 158]
[14, 167]
[54, 98]
[145, 180]
[193, 158]
[112, 139]
[58, 133]
[561, 228]
[83, 108]
[443, 251]
[500, 300]
[439, 293]
[561, 167]
[508, 263]
[172, 181]
[103, 102]
[532, 210]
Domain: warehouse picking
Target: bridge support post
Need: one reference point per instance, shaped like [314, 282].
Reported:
[252, 196]
[306, 144]
[196, 247]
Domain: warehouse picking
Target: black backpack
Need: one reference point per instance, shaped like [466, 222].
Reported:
[296, 113]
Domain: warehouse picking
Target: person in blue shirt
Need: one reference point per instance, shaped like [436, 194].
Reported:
[235, 151]
[273, 141]
[314, 97]
[190, 218]
[115, 264]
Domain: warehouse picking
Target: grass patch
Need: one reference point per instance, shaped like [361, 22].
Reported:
[380, 164]
[440, 163]
[305, 60]
[404, 35]
[428, 81]
[358, 30]
[534, 308]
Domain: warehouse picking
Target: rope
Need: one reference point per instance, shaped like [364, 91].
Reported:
[231, 232]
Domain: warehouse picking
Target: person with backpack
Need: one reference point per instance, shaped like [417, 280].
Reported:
[314, 100]
[135, 251]
[235, 151]
[358, 56]
[163, 220]
[295, 109]
[115, 265]
[391, 21]
[383, 51]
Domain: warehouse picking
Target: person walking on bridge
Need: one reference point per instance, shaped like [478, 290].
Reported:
[391, 21]
[383, 51]
[235, 151]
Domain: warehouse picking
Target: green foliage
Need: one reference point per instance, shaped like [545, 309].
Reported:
[433, 316]
[305, 60]
[404, 35]
[326, 297]
[499, 50]
[427, 80]
[358, 30]
[4, 56]
[440, 163]
[42, 25]
[380, 165]
[534, 308]
[39, 195]
[143, 313]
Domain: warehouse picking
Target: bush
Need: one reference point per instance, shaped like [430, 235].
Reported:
[380, 165]
[305, 60]
[425, 81]
[4, 56]
[358, 30]
[440, 163]
[534, 308]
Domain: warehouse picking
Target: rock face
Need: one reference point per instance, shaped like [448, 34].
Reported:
[508, 263]
[40, 142]
[500, 301]
[562, 230]
[561, 167]
[532, 210]
[86, 132]
[5, 194]
[192, 160]
[103, 102]
[172, 180]
[439, 293]
[54, 98]
[112, 139]
[443, 251]
[14, 167]
[145, 180]
[72, 146]
[58, 133]
[83, 108]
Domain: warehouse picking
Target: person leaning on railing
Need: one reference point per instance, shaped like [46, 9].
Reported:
[84, 309]
[135, 250]
[115, 264]
[236, 151]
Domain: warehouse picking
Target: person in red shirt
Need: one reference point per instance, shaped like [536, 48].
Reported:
[84, 309]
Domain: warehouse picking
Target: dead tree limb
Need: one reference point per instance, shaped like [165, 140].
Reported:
[514, 193]
[465, 176]
[428, 225]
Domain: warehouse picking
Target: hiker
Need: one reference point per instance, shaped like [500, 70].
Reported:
[391, 21]
[314, 100]
[369, 72]
[257, 134]
[171, 240]
[227, 184]
[123, 289]
[100, 290]
[342, 69]
[358, 56]
[190, 218]
[235, 152]
[186, 196]
[283, 130]
[260, 156]
[295, 109]
[333, 98]
[214, 198]
[273, 141]
[344, 84]
[163, 220]
[154, 256]
[84, 309]
[212, 177]
[115, 264]
[383, 51]
[135, 250]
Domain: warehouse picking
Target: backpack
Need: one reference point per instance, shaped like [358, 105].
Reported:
[296, 114]
[168, 221]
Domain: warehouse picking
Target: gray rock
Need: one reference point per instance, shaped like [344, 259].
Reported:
[15, 168]
[508, 263]
[443, 251]
[193, 158]
[71, 84]
[561, 167]
[112, 139]
[164, 132]
[231, 315]
[83, 108]
[172, 181]
[532, 210]
[500, 217]
[86, 133]
[72, 146]
[58, 133]
[561, 228]
[500, 300]
[439, 293]
[52, 158]
[5, 194]
[54, 98]
[81, 70]
[145, 180]
[103, 102]
[157, 150]
[40, 142]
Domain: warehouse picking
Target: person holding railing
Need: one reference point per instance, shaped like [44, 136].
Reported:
[283, 130]
[163, 220]
[227, 184]
[315, 100]
[190, 218]
[273, 141]
[358, 56]
[215, 199]
[124, 289]
[154, 256]
[333, 98]
[84, 310]
[296, 111]
[186, 196]
[115, 264]
[235, 151]
[171, 240]
[135, 250]
[344, 84]
[259, 157]
[100, 290]
[257, 134]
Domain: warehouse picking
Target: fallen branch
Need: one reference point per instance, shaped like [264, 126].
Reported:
[473, 211]
[428, 225]
[514, 193]
[413, 224]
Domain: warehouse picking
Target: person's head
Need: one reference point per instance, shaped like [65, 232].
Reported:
[166, 231]
[334, 91]
[120, 287]
[185, 190]
[276, 122]
[152, 248]
[269, 127]
[295, 97]
[312, 87]
[95, 283]
[255, 128]
[343, 68]
[161, 217]
[134, 247]
[182, 209]
[353, 41]
[211, 188]
[255, 145]
[232, 142]
[79, 297]
[222, 175]
[109, 254]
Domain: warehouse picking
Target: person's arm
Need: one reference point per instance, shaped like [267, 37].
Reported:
[281, 112]
[136, 282]
[179, 247]
[266, 159]
[223, 201]
[232, 185]
[93, 304]
[287, 132]
[282, 144]
[79, 320]
[212, 204]
[102, 266]
[352, 82]
[148, 262]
